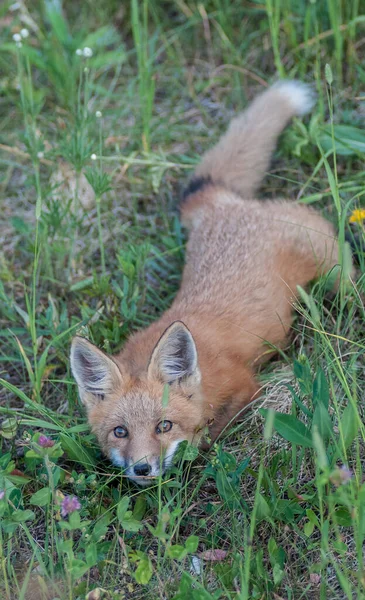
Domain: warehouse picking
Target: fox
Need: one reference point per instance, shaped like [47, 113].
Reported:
[245, 258]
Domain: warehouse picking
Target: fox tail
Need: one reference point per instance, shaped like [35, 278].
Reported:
[242, 156]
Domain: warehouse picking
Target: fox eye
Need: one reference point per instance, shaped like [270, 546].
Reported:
[163, 427]
[120, 432]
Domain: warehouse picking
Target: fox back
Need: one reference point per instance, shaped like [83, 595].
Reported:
[195, 366]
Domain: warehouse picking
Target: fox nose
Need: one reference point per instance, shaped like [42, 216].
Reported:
[142, 469]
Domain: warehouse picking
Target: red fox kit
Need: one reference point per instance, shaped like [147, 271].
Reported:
[244, 261]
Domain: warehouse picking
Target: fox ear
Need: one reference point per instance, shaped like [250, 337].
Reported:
[96, 374]
[174, 358]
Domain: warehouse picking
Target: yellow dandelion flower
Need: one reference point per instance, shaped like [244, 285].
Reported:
[357, 216]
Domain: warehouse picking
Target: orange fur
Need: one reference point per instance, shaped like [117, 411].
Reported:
[244, 261]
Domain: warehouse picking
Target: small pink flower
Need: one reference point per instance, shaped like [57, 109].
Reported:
[2, 494]
[45, 442]
[69, 504]
[346, 474]
[341, 475]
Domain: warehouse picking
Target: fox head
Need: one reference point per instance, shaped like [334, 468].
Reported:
[136, 429]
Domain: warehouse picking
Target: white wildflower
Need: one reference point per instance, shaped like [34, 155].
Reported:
[98, 114]
[87, 52]
[93, 157]
[24, 33]
[40, 155]
[17, 37]
[79, 52]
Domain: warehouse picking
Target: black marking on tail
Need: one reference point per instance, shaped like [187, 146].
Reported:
[195, 185]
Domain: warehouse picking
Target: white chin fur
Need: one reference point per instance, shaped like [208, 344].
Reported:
[117, 459]
[171, 452]
[141, 481]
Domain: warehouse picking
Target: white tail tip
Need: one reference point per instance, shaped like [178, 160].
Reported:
[301, 96]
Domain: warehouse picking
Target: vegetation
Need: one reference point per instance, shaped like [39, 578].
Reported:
[106, 107]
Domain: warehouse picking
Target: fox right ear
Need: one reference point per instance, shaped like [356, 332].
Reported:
[174, 358]
[95, 372]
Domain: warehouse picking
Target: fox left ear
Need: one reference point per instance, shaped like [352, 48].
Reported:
[95, 372]
[174, 358]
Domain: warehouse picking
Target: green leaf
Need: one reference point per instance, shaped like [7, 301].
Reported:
[20, 225]
[42, 497]
[299, 403]
[278, 574]
[8, 526]
[74, 520]
[349, 424]
[139, 508]
[125, 516]
[269, 424]
[303, 374]
[102, 37]
[143, 572]
[33, 454]
[5, 461]
[9, 428]
[227, 490]
[77, 451]
[130, 524]
[311, 305]
[348, 139]
[322, 421]
[185, 587]
[291, 429]
[81, 285]
[109, 60]
[66, 547]
[308, 528]
[101, 527]
[191, 543]
[122, 508]
[18, 479]
[276, 553]
[19, 516]
[347, 263]
[177, 551]
[57, 21]
[322, 459]
[312, 517]
[192, 589]
[263, 509]
[187, 452]
[272, 548]
[91, 555]
[332, 182]
[343, 517]
[320, 388]
[77, 568]
[285, 510]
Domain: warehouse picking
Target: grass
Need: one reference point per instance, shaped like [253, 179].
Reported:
[277, 509]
